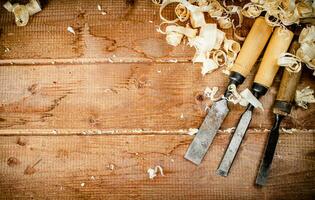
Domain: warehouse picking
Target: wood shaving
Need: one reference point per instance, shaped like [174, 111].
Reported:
[99, 7]
[71, 30]
[82, 184]
[23, 12]
[290, 61]
[152, 172]
[192, 131]
[175, 34]
[208, 66]
[110, 60]
[229, 130]
[306, 52]
[211, 92]
[304, 97]
[243, 98]
[182, 12]
[290, 131]
[235, 97]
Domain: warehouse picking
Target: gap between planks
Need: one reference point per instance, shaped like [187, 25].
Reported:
[93, 132]
[110, 60]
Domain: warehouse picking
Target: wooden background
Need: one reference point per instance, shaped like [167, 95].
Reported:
[85, 115]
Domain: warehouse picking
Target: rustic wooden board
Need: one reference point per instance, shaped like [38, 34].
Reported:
[55, 85]
[68, 161]
[120, 96]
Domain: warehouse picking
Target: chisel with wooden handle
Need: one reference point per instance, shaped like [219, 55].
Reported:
[282, 107]
[251, 49]
[279, 43]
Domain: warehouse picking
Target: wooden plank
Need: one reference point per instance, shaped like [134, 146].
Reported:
[115, 167]
[121, 96]
[127, 33]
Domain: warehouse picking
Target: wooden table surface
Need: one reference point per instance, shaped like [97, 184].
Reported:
[86, 115]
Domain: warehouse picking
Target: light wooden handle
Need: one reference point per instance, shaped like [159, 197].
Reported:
[279, 43]
[289, 80]
[288, 86]
[252, 47]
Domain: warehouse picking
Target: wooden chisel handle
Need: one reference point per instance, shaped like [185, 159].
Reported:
[279, 43]
[254, 43]
[287, 87]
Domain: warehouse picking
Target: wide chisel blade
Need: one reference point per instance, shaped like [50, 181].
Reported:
[201, 143]
[230, 153]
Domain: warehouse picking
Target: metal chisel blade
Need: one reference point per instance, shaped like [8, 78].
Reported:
[268, 156]
[230, 153]
[211, 124]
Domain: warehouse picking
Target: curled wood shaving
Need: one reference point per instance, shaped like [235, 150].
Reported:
[304, 96]
[208, 66]
[197, 19]
[290, 61]
[211, 92]
[157, 2]
[235, 97]
[175, 34]
[23, 12]
[219, 57]
[243, 98]
[182, 12]
[189, 32]
[252, 10]
[152, 172]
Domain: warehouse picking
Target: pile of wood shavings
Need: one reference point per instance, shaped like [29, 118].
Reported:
[280, 12]
[304, 97]
[206, 38]
[305, 53]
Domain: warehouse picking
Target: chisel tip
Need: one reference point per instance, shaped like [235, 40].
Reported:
[222, 172]
[194, 160]
[261, 178]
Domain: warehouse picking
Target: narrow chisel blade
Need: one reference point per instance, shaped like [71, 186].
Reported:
[235, 143]
[263, 172]
[211, 124]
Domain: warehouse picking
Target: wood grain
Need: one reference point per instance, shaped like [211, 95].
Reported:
[119, 96]
[127, 33]
[118, 165]
[116, 77]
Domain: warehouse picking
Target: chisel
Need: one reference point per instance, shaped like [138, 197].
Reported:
[251, 49]
[279, 43]
[282, 107]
